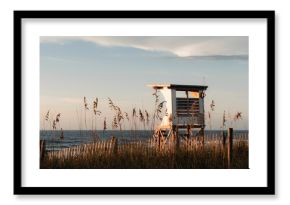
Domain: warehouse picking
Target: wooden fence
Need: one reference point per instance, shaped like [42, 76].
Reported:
[113, 146]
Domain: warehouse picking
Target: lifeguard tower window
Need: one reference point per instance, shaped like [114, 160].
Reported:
[187, 104]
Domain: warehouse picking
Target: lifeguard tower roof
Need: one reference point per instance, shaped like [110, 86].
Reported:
[178, 87]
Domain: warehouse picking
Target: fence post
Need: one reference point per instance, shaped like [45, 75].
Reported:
[42, 149]
[224, 139]
[230, 147]
[114, 145]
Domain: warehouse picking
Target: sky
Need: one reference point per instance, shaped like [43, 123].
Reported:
[120, 67]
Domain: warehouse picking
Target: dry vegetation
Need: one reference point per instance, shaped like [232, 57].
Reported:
[114, 154]
[146, 155]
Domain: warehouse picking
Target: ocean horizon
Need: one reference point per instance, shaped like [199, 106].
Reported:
[77, 137]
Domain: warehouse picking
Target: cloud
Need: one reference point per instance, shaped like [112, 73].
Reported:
[179, 46]
[218, 57]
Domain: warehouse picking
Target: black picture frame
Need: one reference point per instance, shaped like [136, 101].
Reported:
[268, 190]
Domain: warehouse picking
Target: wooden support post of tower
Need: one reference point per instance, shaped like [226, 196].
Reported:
[202, 135]
[177, 139]
[188, 129]
[159, 141]
[174, 138]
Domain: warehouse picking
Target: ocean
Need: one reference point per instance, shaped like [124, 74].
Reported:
[78, 137]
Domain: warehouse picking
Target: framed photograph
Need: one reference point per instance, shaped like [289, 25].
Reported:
[144, 102]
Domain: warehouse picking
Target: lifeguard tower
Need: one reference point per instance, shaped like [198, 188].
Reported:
[185, 112]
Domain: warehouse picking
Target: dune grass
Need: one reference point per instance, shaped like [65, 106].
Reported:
[142, 156]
